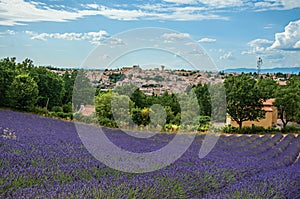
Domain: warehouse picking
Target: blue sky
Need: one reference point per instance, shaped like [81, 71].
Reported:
[234, 33]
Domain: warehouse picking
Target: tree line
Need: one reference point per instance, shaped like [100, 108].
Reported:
[28, 88]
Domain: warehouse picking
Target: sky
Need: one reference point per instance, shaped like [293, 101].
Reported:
[232, 33]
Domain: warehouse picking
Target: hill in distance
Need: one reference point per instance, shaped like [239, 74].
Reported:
[286, 70]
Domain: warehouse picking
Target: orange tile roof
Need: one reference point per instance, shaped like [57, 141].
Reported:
[269, 102]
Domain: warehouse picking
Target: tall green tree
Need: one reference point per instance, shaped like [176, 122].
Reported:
[218, 102]
[8, 71]
[244, 101]
[139, 99]
[69, 79]
[83, 91]
[51, 87]
[204, 99]
[23, 92]
[267, 87]
[113, 109]
[288, 101]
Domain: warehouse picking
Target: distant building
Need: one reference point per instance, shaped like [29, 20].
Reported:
[270, 119]
[87, 110]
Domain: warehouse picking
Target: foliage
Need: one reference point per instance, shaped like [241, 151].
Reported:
[69, 80]
[290, 129]
[267, 87]
[51, 87]
[83, 92]
[140, 117]
[204, 123]
[116, 77]
[204, 99]
[22, 92]
[249, 130]
[53, 90]
[218, 102]
[288, 101]
[244, 101]
[103, 106]
[67, 108]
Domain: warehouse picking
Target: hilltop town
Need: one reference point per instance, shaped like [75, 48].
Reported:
[159, 80]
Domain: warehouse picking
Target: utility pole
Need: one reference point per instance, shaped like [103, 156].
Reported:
[259, 64]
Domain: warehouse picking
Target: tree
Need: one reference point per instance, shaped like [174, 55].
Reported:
[103, 105]
[69, 79]
[204, 99]
[244, 101]
[83, 92]
[120, 107]
[288, 101]
[267, 87]
[140, 117]
[51, 87]
[23, 92]
[113, 109]
[218, 102]
[139, 99]
[8, 71]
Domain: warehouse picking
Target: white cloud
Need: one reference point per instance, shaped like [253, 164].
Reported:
[8, 32]
[18, 12]
[92, 37]
[290, 4]
[28, 32]
[222, 3]
[258, 46]
[289, 39]
[161, 12]
[176, 35]
[171, 37]
[297, 45]
[94, 6]
[207, 40]
[181, 1]
[226, 56]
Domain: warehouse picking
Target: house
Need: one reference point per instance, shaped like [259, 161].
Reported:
[87, 110]
[270, 119]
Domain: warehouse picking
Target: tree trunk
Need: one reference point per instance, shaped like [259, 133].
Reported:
[240, 123]
[284, 122]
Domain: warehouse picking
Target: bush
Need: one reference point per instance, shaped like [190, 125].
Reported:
[229, 129]
[67, 108]
[290, 129]
[62, 115]
[107, 122]
[249, 130]
[39, 111]
[57, 109]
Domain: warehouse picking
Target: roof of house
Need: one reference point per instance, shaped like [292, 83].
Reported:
[269, 102]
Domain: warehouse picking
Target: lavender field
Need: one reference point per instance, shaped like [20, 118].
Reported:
[45, 158]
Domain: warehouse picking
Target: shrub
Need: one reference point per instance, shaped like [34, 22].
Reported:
[57, 109]
[67, 108]
[39, 111]
[249, 130]
[107, 122]
[290, 129]
[62, 115]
